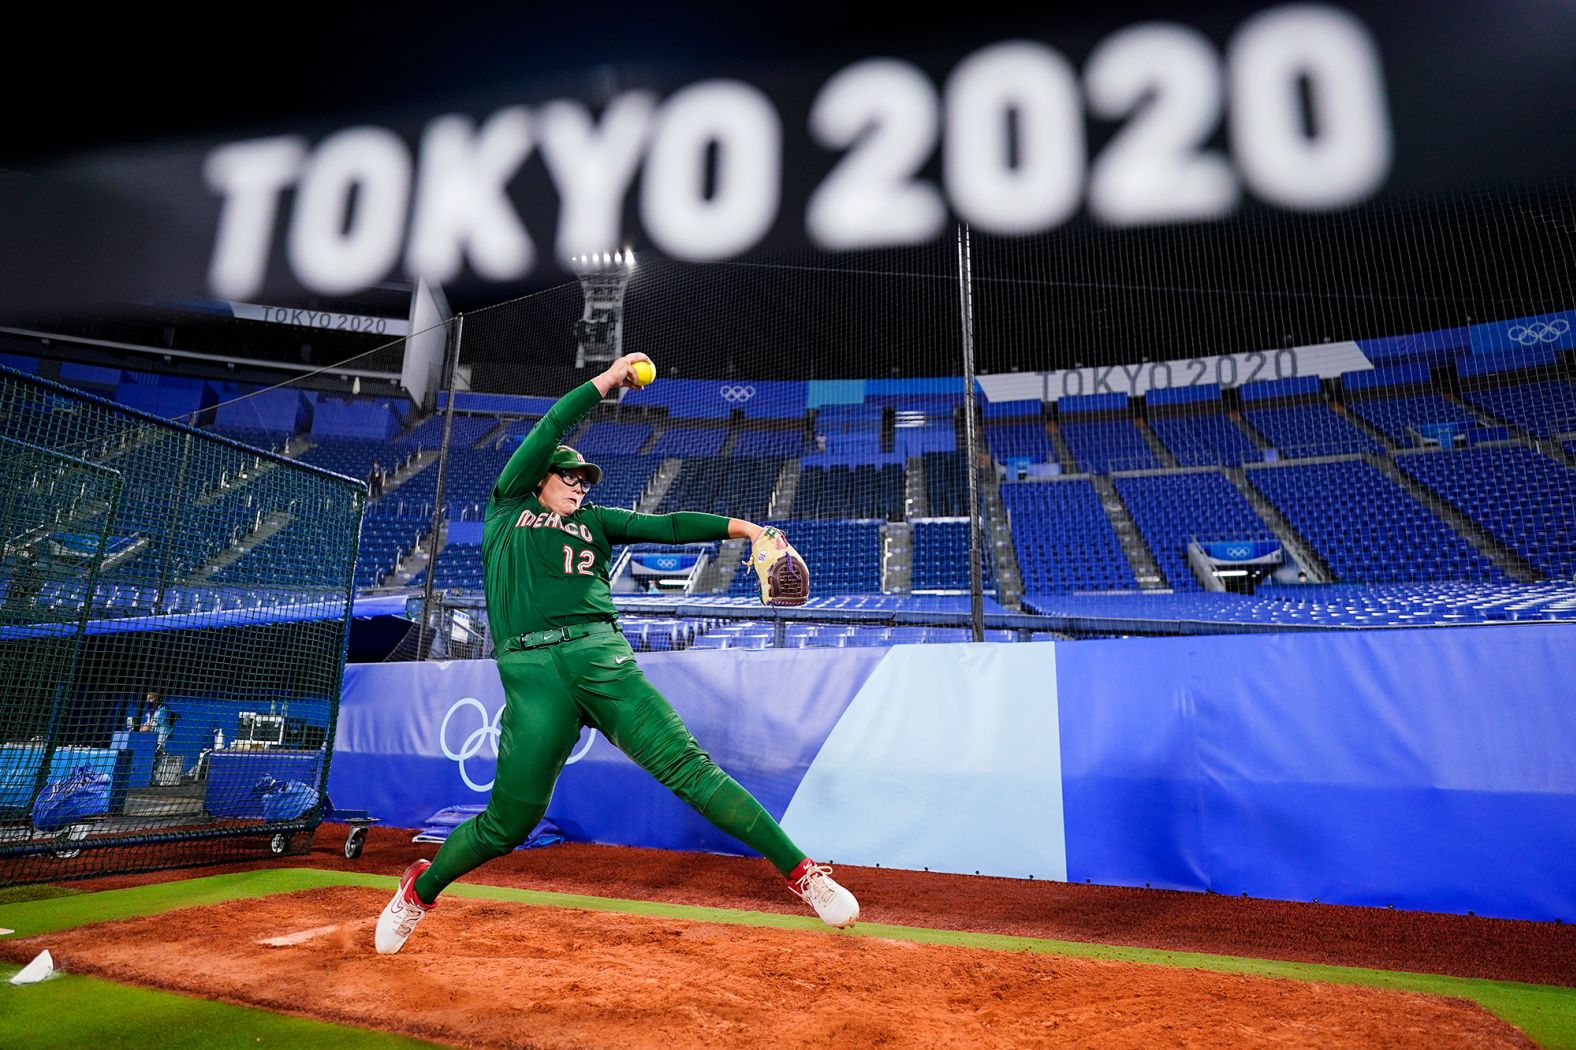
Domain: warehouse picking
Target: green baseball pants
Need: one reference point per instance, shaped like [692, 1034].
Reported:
[550, 693]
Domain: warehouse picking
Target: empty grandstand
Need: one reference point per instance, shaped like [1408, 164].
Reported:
[846, 556]
[1174, 509]
[1542, 408]
[736, 486]
[1205, 439]
[1064, 539]
[1103, 445]
[1535, 520]
[1435, 465]
[862, 491]
[1308, 429]
[1367, 527]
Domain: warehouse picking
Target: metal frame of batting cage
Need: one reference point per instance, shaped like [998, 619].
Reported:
[451, 368]
[978, 621]
[71, 635]
[117, 852]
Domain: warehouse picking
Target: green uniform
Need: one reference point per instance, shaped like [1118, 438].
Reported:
[544, 570]
[564, 663]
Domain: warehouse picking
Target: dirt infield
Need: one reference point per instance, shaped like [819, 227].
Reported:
[486, 973]
[1457, 945]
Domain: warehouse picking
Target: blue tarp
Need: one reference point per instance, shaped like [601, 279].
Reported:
[1425, 769]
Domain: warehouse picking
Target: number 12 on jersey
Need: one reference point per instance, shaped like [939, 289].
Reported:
[587, 558]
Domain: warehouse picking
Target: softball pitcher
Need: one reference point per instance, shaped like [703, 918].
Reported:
[565, 664]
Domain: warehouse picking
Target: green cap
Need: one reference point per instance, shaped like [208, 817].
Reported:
[566, 458]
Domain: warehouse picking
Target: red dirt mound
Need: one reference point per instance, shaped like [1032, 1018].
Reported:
[1459, 945]
[486, 973]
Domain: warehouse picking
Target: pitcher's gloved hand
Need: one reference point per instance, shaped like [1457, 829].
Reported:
[785, 578]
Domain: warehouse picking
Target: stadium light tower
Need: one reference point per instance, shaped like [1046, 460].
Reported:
[599, 334]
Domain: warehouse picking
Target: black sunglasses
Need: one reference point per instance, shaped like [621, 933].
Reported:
[574, 479]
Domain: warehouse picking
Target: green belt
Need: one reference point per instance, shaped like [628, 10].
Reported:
[559, 635]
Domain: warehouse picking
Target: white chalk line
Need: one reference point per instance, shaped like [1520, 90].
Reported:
[297, 938]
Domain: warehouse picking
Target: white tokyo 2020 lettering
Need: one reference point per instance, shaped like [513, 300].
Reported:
[1299, 90]
[484, 735]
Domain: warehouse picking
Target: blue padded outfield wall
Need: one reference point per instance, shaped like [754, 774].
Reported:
[1426, 769]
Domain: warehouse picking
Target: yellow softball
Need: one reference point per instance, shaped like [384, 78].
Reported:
[645, 372]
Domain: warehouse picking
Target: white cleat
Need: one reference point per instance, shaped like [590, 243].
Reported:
[403, 912]
[813, 884]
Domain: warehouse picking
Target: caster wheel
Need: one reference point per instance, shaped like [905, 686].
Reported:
[354, 842]
[278, 844]
[75, 833]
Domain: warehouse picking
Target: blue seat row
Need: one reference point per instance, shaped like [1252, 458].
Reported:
[1103, 445]
[1063, 538]
[862, 491]
[1172, 509]
[1368, 528]
[941, 557]
[1536, 518]
[1312, 428]
[1205, 440]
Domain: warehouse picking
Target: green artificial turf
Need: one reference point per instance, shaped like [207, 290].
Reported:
[71, 1011]
[16, 894]
[1547, 1014]
[28, 918]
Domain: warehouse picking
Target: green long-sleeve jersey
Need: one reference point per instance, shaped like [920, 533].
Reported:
[544, 569]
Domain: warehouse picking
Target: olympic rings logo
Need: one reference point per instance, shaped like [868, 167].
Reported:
[1538, 331]
[484, 734]
[737, 393]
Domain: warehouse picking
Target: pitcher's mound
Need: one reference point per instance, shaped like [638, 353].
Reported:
[482, 973]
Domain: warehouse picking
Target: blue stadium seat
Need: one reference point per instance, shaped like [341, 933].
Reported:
[941, 558]
[1205, 440]
[1543, 408]
[612, 438]
[1103, 445]
[1063, 538]
[1333, 606]
[850, 434]
[946, 484]
[353, 457]
[1366, 527]
[1524, 498]
[1300, 431]
[690, 441]
[760, 442]
[734, 486]
[467, 430]
[1399, 417]
[844, 557]
[1013, 440]
[863, 491]
[1171, 509]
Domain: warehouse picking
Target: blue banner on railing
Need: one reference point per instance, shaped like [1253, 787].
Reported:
[1241, 550]
[1425, 769]
[1433, 347]
[1545, 331]
[671, 561]
[716, 399]
[1446, 435]
[414, 738]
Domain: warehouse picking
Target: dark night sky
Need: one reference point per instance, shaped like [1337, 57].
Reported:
[1475, 222]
